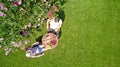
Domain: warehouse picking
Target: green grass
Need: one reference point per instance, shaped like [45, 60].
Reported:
[90, 38]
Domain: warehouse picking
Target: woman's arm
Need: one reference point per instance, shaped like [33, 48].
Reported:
[60, 24]
[48, 24]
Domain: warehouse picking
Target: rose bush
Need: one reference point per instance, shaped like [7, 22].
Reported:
[19, 18]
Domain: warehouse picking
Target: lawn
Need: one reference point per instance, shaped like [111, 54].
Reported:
[90, 38]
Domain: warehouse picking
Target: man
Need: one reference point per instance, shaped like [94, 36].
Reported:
[36, 50]
[54, 25]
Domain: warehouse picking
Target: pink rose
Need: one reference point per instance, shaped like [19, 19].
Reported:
[1, 13]
[55, 8]
[16, 3]
[49, 14]
[2, 7]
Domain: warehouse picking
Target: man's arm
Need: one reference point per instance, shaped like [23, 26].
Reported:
[38, 55]
[36, 43]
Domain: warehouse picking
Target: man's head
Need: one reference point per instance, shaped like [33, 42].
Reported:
[28, 53]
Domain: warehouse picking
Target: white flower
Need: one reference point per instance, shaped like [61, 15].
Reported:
[0, 46]
[25, 27]
[29, 24]
[26, 41]
[35, 26]
[1, 39]
[20, 2]
[16, 44]
[8, 51]
[39, 24]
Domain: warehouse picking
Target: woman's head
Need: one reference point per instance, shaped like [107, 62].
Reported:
[57, 19]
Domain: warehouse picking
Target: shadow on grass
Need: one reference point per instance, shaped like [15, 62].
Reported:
[60, 34]
[61, 14]
[39, 39]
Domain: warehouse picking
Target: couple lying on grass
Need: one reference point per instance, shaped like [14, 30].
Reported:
[38, 48]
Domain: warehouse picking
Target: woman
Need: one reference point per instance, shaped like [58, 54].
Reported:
[54, 25]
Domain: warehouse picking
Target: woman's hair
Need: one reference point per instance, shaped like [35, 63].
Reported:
[57, 19]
